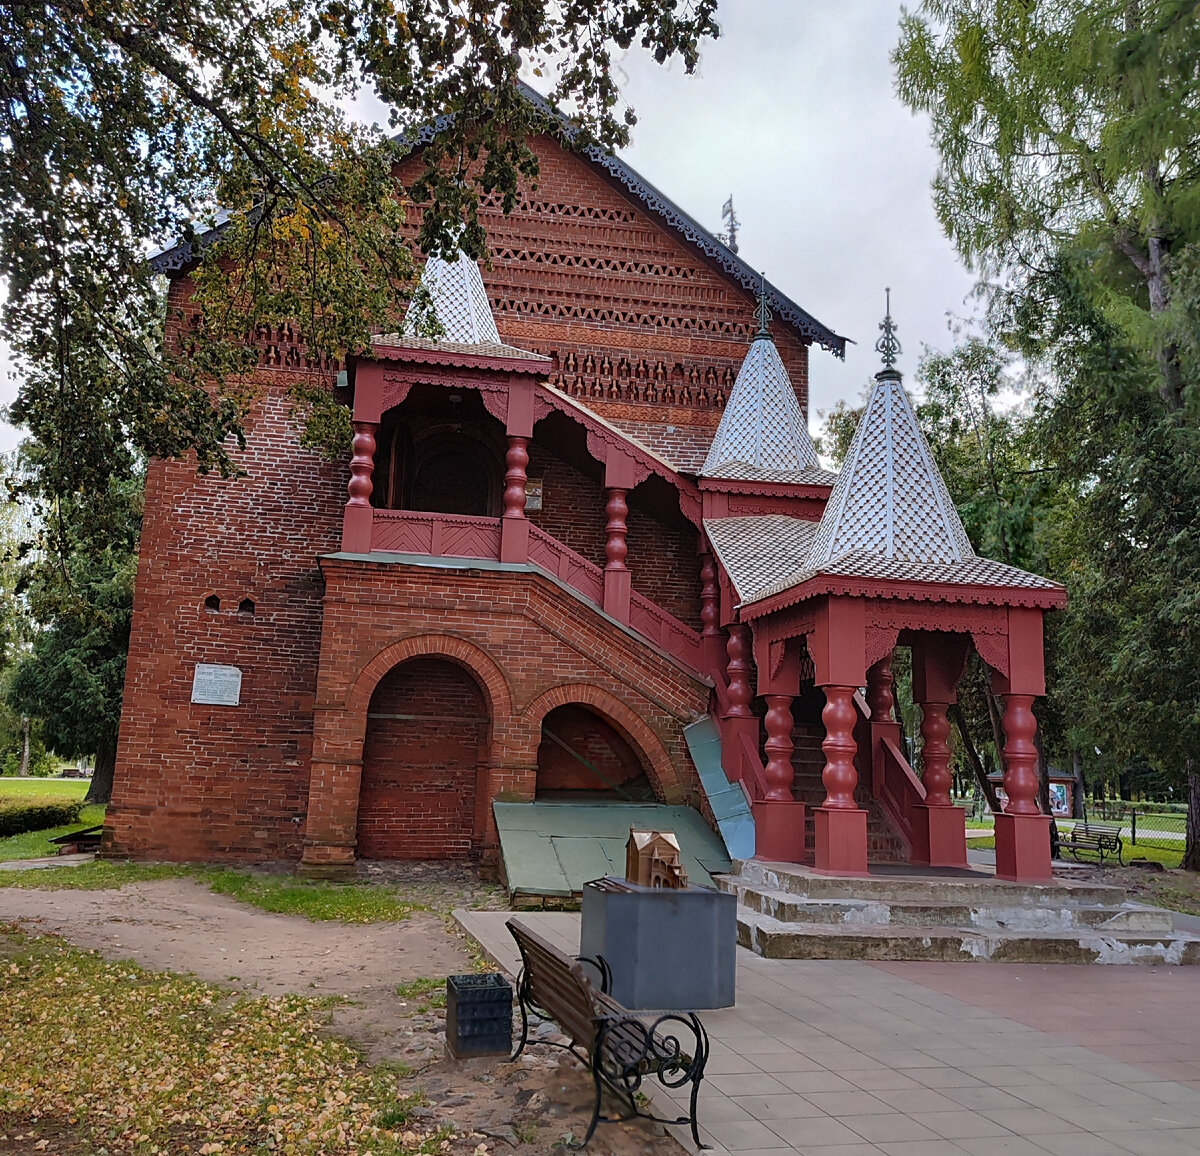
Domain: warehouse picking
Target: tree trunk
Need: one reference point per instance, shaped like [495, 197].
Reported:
[1191, 850]
[102, 776]
[1078, 797]
[24, 746]
[956, 716]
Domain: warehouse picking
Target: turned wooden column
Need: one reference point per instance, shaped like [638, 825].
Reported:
[935, 754]
[740, 691]
[1020, 755]
[779, 773]
[617, 579]
[356, 519]
[712, 646]
[881, 696]
[839, 776]
[514, 527]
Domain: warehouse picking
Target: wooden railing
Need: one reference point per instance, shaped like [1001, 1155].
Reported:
[440, 535]
[753, 772]
[461, 536]
[567, 566]
[664, 629]
[901, 789]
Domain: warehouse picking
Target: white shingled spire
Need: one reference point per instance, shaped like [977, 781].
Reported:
[890, 498]
[763, 426]
[459, 301]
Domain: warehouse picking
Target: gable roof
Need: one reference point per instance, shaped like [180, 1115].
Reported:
[763, 426]
[178, 257]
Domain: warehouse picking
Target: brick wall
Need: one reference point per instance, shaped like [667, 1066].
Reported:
[201, 782]
[615, 762]
[419, 771]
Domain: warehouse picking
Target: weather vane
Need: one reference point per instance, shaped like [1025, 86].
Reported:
[762, 313]
[732, 224]
[888, 345]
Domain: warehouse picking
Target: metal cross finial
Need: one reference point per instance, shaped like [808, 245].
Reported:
[888, 346]
[762, 314]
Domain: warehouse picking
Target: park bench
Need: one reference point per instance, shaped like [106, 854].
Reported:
[619, 1047]
[1100, 838]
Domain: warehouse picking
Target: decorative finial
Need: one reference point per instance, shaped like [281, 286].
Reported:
[888, 346]
[732, 224]
[762, 313]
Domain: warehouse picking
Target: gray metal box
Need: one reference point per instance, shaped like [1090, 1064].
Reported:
[669, 949]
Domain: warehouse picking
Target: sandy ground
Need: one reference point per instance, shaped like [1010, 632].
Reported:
[178, 925]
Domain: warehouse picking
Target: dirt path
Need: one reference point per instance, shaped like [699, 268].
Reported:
[179, 925]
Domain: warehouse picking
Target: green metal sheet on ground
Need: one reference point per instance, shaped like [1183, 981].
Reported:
[555, 848]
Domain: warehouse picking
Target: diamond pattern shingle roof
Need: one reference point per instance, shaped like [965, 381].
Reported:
[460, 301]
[759, 551]
[890, 499]
[763, 426]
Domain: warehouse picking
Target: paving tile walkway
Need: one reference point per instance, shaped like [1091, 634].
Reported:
[838, 1058]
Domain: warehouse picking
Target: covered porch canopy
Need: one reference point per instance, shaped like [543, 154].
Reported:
[888, 564]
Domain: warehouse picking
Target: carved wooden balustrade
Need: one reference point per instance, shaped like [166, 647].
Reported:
[463, 536]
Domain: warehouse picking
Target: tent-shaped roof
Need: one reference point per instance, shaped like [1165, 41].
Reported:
[890, 499]
[460, 301]
[762, 430]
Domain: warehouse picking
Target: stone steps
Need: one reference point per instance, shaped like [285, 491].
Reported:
[789, 912]
[777, 940]
[789, 908]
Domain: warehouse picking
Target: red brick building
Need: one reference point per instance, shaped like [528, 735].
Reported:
[576, 524]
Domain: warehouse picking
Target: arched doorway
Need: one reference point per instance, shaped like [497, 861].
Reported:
[426, 745]
[583, 756]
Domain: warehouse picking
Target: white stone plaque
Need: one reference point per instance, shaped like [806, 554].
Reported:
[217, 685]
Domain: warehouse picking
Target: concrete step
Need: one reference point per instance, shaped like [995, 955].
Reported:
[973, 888]
[778, 940]
[967, 916]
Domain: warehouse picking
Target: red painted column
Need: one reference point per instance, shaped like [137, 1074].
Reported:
[778, 771]
[514, 526]
[841, 826]
[1022, 831]
[356, 519]
[881, 700]
[935, 754]
[712, 647]
[939, 827]
[740, 691]
[617, 579]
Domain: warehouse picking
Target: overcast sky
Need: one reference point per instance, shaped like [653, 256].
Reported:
[792, 112]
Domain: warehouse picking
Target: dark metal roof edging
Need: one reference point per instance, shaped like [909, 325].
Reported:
[174, 259]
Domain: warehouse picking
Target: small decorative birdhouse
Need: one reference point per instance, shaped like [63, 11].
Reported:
[652, 859]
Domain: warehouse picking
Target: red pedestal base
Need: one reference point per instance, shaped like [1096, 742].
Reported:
[617, 586]
[939, 836]
[1023, 848]
[779, 831]
[841, 841]
[356, 529]
[514, 540]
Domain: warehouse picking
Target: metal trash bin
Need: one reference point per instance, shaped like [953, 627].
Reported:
[667, 948]
[478, 1015]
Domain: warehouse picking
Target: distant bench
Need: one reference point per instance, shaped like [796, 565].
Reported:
[617, 1046]
[1100, 838]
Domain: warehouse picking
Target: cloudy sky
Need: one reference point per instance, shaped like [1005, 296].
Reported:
[792, 112]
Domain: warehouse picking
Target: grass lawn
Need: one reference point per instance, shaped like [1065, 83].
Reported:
[278, 892]
[37, 845]
[107, 1057]
[56, 789]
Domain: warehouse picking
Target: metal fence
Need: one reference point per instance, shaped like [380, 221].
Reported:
[1146, 832]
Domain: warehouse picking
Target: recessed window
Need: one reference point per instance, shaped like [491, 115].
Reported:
[246, 606]
[212, 603]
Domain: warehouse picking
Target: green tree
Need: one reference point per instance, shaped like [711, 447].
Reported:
[1069, 139]
[72, 676]
[130, 123]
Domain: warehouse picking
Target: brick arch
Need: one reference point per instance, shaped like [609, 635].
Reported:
[476, 661]
[662, 771]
